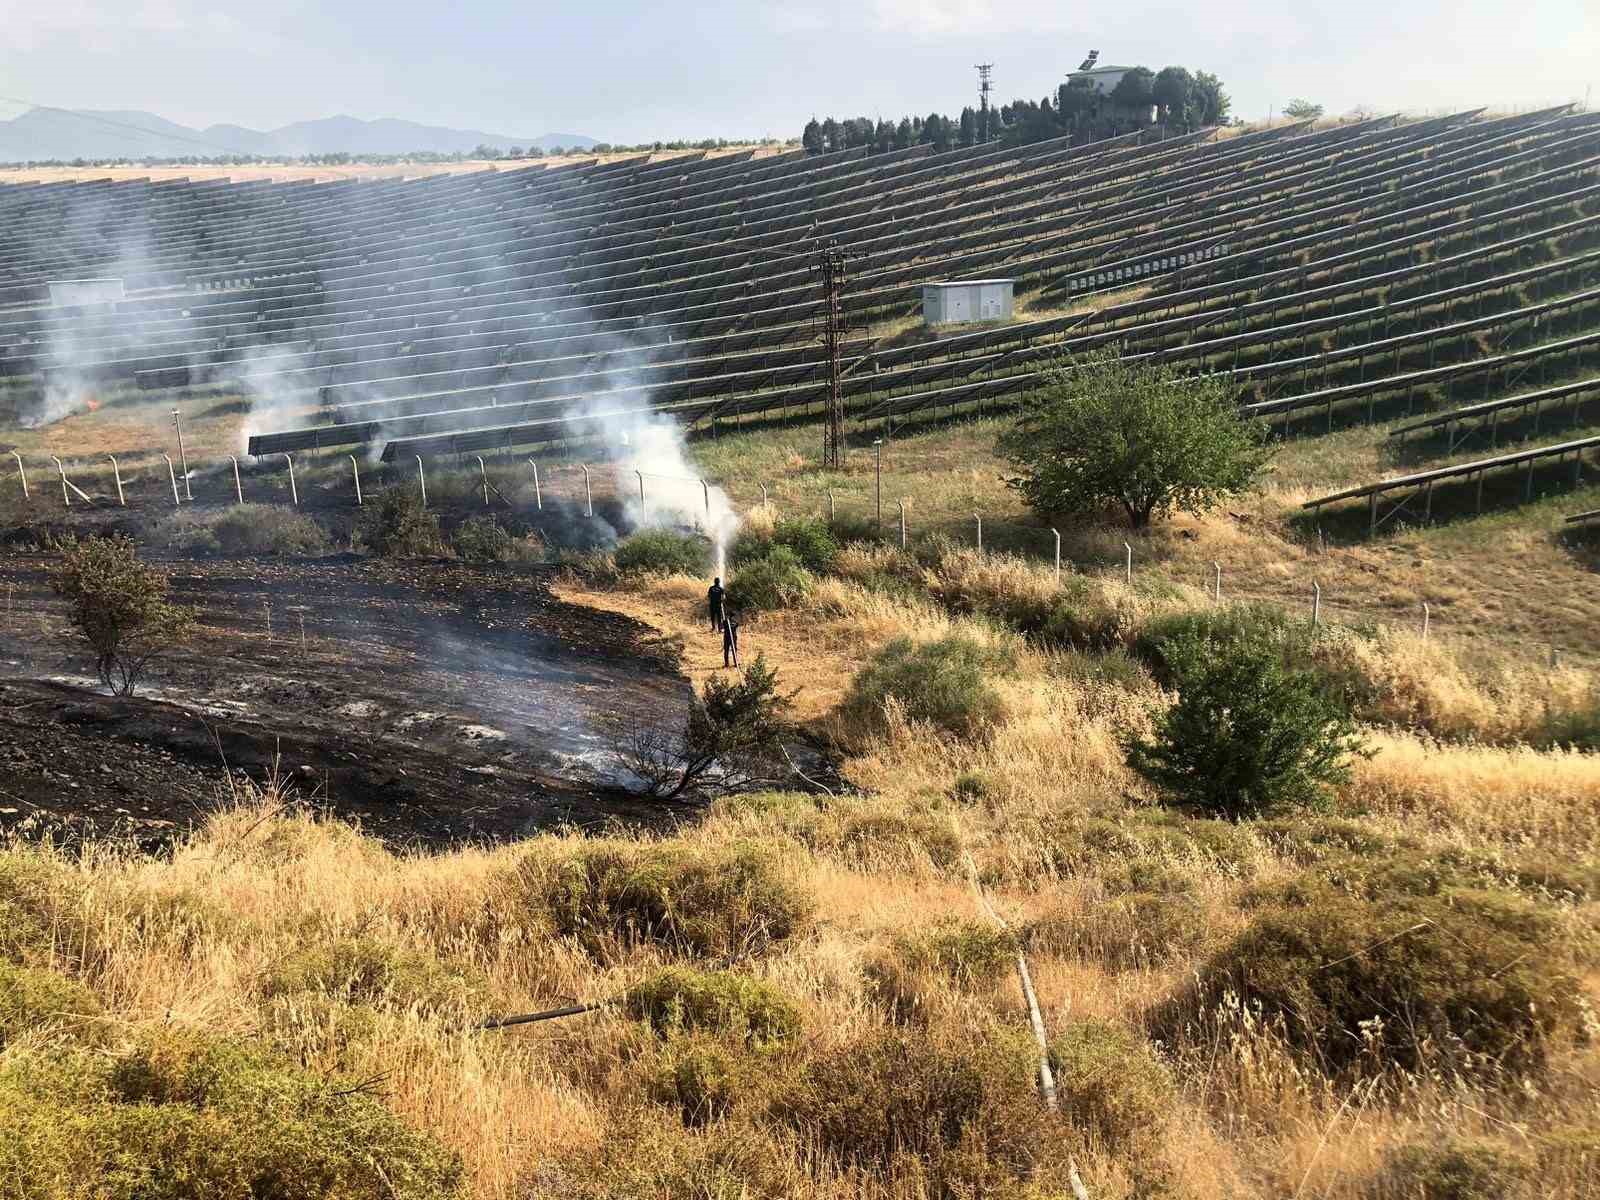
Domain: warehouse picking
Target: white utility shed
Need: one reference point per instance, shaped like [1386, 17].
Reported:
[966, 300]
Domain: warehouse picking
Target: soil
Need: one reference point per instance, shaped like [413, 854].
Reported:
[432, 702]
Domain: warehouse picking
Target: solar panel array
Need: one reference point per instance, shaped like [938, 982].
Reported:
[1328, 271]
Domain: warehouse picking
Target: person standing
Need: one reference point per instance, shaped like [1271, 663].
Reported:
[730, 640]
[716, 594]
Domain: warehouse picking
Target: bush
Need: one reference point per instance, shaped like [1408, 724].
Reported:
[34, 928]
[642, 1156]
[681, 999]
[1110, 1083]
[945, 683]
[30, 999]
[1246, 736]
[772, 582]
[246, 529]
[1451, 1168]
[662, 552]
[397, 525]
[1456, 979]
[119, 606]
[965, 952]
[181, 1115]
[699, 1077]
[810, 541]
[1133, 931]
[961, 1113]
[726, 902]
[1146, 438]
[482, 539]
[368, 971]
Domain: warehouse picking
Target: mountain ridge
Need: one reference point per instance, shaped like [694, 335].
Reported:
[43, 134]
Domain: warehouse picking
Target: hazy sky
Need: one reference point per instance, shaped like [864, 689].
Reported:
[635, 70]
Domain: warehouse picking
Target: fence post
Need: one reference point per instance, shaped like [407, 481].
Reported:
[830, 508]
[422, 481]
[902, 524]
[588, 496]
[763, 488]
[355, 471]
[978, 517]
[1216, 582]
[705, 491]
[116, 474]
[22, 472]
[173, 475]
[238, 488]
[1129, 548]
[640, 474]
[1057, 532]
[294, 491]
[1316, 602]
[1426, 615]
[538, 497]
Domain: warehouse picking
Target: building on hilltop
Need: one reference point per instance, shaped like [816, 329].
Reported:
[1101, 79]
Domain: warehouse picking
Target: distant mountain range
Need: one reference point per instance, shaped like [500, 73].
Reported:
[46, 133]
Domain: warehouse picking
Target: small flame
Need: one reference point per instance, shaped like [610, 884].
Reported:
[91, 405]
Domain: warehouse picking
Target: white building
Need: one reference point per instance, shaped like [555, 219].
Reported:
[966, 300]
[1101, 79]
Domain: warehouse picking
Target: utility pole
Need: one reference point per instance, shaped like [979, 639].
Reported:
[830, 264]
[985, 86]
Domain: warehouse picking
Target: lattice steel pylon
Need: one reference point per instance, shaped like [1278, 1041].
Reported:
[985, 86]
[830, 263]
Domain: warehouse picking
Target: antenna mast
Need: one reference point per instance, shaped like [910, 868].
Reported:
[985, 86]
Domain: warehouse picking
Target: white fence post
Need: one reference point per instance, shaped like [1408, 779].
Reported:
[116, 473]
[238, 487]
[422, 481]
[1057, 532]
[538, 496]
[640, 474]
[22, 473]
[902, 524]
[978, 517]
[1316, 602]
[1216, 582]
[66, 500]
[588, 496]
[1129, 548]
[172, 474]
[294, 490]
[1426, 620]
[355, 471]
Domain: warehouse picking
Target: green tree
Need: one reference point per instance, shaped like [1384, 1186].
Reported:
[1302, 110]
[1135, 90]
[119, 606]
[969, 127]
[1211, 102]
[1173, 91]
[1247, 736]
[1103, 430]
[811, 139]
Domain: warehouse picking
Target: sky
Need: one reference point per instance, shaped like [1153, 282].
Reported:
[638, 70]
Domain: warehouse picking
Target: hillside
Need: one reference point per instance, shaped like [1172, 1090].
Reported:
[59, 134]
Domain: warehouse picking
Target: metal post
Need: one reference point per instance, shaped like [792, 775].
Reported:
[640, 474]
[66, 500]
[763, 488]
[1126, 546]
[22, 473]
[588, 496]
[902, 524]
[116, 474]
[1316, 602]
[294, 492]
[1057, 532]
[1216, 582]
[1426, 615]
[172, 475]
[483, 474]
[705, 491]
[538, 494]
[979, 519]
[355, 471]
[877, 446]
[422, 481]
[238, 488]
[183, 456]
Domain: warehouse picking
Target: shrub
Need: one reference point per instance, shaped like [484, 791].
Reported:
[967, 953]
[180, 1115]
[1451, 1168]
[961, 1113]
[33, 889]
[1246, 736]
[30, 999]
[1107, 431]
[662, 552]
[810, 541]
[368, 971]
[119, 606]
[246, 529]
[699, 1077]
[1458, 979]
[1132, 931]
[483, 539]
[771, 582]
[681, 999]
[1110, 1083]
[944, 682]
[396, 524]
[643, 1156]
[726, 902]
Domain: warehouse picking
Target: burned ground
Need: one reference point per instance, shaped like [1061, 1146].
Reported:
[433, 702]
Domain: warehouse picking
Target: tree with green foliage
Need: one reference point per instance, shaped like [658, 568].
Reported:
[1247, 735]
[969, 127]
[732, 741]
[1173, 91]
[119, 606]
[1302, 110]
[1212, 104]
[1104, 431]
[1136, 89]
[811, 139]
